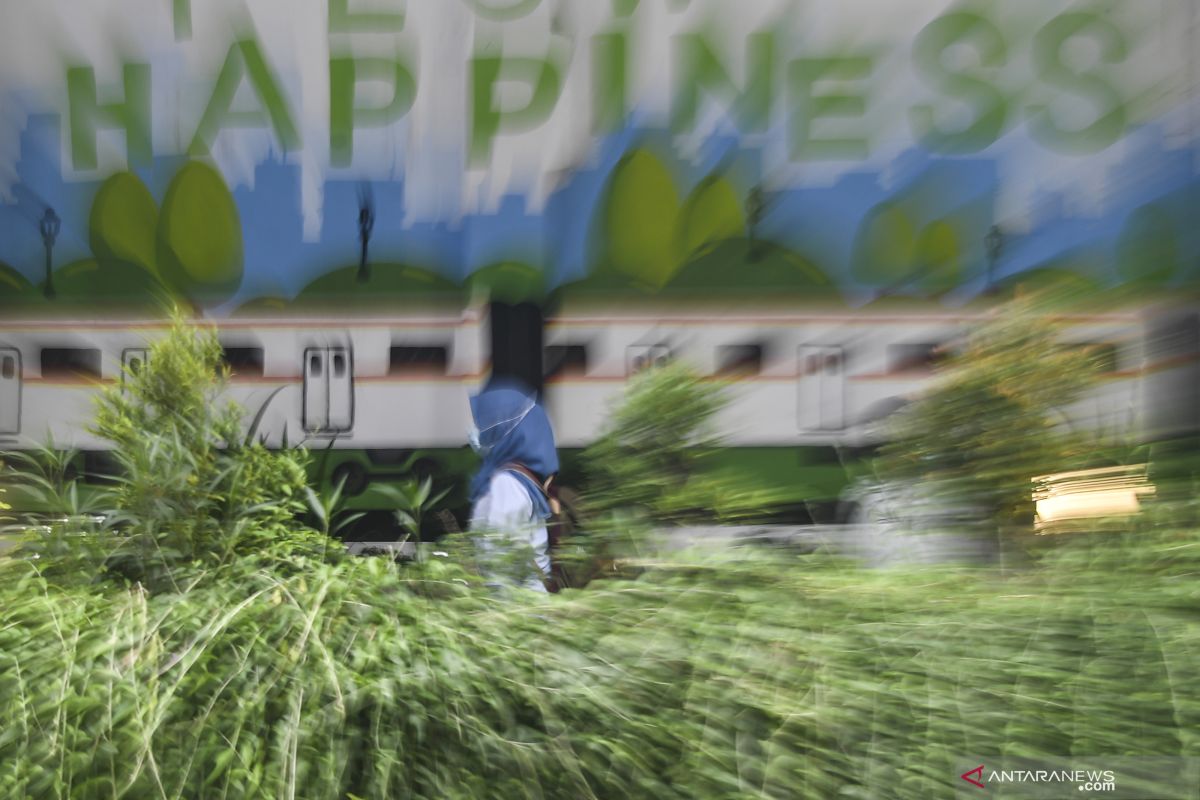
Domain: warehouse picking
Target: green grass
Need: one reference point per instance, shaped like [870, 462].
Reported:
[742, 674]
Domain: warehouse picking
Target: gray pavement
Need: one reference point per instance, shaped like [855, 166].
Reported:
[874, 545]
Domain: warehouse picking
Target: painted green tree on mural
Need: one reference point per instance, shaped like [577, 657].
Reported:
[639, 219]
[200, 235]
[1148, 249]
[122, 223]
[712, 214]
[192, 248]
[885, 245]
[15, 289]
[649, 234]
[938, 257]
[892, 250]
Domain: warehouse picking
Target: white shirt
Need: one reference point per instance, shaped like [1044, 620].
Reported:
[507, 508]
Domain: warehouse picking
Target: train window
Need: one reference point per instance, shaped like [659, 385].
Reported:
[562, 360]
[314, 364]
[739, 359]
[914, 357]
[8, 367]
[826, 361]
[1173, 335]
[408, 359]
[70, 362]
[101, 466]
[243, 362]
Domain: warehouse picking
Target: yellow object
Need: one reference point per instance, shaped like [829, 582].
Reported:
[1090, 493]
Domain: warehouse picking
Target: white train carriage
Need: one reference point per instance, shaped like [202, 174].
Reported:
[804, 378]
[375, 388]
[363, 383]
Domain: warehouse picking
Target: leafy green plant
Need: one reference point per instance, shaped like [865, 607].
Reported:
[58, 520]
[3, 505]
[324, 508]
[654, 443]
[654, 454]
[50, 483]
[191, 487]
[729, 674]
[413, 502]
[993, 420]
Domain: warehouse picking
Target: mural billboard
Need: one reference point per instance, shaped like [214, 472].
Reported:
[244, 153]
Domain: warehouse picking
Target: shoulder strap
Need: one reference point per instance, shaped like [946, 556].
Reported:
[543, 486]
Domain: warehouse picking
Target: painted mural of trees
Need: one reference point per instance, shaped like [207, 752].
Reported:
[712, 214]
[939, 257]
[649, 234]
[191, 249]
[885, 246]
[650, 241]
[1148, 247]
[200, 235]
[123, 221]
[893, 250]
[639, 219]
[15, 288]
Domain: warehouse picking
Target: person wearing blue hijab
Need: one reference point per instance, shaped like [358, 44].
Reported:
[512, 434]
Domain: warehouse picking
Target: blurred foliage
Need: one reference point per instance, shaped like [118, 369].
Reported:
[12, 283]
[738, 267]
[47, 475]
[190, 488]
[653, 444]
[993, 419]
[740, 674]
[655, 459]
[413, 500]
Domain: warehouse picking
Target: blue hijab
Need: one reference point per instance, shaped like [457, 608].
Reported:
[513, 427]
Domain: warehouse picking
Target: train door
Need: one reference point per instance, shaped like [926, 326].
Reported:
[328, 390]
[10, 391]
[1171, 404]
[516, 340]
[640, 357]
[822, 388]
[1171, 388]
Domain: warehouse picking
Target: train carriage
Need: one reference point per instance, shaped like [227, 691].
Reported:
[386, 392]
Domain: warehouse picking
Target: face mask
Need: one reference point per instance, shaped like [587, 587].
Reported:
[473, 438]
[473, 434]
